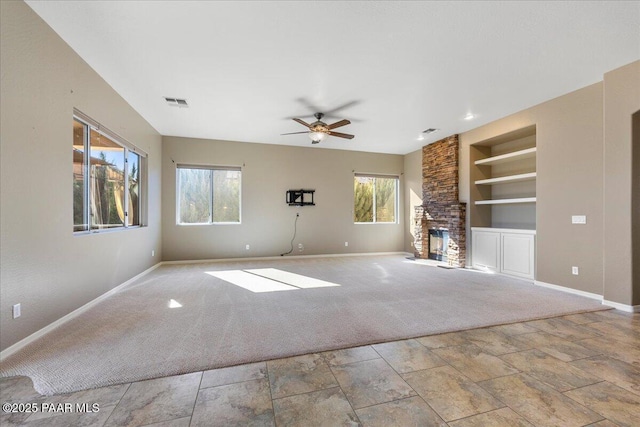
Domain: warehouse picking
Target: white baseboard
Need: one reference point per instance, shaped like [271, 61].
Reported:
[616, 305]
[622, 307]
[34, 336]
[271, 258]
[568, 290]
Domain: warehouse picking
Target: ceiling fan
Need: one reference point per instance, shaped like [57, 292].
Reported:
[319, 130]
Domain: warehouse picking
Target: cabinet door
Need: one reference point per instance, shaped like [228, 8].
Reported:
[518, 255]
[486, 250]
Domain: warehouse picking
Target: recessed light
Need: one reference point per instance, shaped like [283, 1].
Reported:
[420, 137]
[469, 116]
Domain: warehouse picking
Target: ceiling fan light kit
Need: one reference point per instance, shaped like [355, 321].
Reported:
[318, 130]
[317, 137]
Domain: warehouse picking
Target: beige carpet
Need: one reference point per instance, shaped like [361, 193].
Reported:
[135, 335]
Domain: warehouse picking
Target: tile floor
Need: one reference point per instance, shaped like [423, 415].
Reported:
[577, 370]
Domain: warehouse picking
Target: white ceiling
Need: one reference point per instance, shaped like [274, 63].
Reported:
[393, 68]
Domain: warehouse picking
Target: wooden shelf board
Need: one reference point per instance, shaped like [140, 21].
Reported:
[508, 179]
[509, 157]
[506, 201]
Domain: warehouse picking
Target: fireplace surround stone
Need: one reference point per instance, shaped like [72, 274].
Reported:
[441, 207]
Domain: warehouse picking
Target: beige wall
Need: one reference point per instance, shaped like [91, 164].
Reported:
[570, 169]
[412, 194]
[268, 171]
[44, 266]
[635, 213]
[586, 166]
[621, 101]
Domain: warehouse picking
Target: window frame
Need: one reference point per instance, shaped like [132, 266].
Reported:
[396, 202]
[90, 125]
[211, 168]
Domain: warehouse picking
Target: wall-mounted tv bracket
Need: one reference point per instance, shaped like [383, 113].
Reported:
[300, 197]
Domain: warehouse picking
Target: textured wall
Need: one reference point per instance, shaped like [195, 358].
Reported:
[44, 266]
[621, 101]
[268, 171]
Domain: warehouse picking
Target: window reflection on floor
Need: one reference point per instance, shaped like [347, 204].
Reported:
[269, 280]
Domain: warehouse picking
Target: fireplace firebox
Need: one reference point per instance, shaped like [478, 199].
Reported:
[438, 244]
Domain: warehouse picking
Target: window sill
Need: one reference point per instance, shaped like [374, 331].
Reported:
[207, 223]
[107, 230]
[375, 223]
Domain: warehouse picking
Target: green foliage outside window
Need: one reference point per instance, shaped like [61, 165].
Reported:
[374, 199]
[208, 196]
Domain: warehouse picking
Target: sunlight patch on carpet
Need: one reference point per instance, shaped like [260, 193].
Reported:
[174, 304]
[251, 282]
[269, 280]
[297, 280]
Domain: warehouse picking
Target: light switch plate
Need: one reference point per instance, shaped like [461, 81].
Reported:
[578, 219]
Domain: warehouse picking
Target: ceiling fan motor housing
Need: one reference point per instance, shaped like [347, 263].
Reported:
[319, 127]
[319, 130]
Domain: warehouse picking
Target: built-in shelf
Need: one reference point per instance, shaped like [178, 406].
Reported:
[506, 201]
[503, 174]
[509, 157]
[508, 179]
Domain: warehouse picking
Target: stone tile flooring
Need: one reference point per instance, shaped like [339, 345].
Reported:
[577, 370]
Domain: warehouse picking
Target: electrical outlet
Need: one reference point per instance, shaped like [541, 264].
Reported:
[574, 271]
[248, 247]
[346, 243]
[17, 310]
[300, 247]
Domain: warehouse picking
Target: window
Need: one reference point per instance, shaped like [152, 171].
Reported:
[106, 178]
[208, 194]
[375, 199]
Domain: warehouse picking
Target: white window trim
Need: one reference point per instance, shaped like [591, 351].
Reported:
[396, 201]
[211, 168]
[81, 117]
[127, 147]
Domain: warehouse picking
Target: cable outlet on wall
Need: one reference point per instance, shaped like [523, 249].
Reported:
[17, 310]
[574, 271]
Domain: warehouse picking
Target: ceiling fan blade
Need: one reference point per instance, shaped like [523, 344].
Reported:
[302, 122]
[343, 122]
[293, 133]
[333, 111]
[340, 135]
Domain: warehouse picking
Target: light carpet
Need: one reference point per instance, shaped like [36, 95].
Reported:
[136, 335]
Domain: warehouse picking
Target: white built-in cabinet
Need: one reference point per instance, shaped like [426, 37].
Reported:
[508, 251]
[503, 203]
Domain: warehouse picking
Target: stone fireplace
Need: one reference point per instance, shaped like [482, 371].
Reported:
[441, 209]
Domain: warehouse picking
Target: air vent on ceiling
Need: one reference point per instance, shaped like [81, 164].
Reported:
[176, 102]
[430, 130]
